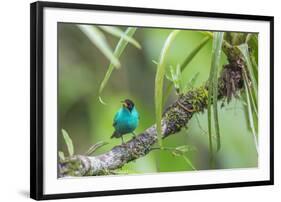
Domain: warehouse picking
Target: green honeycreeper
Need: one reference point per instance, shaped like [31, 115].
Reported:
[126, 120]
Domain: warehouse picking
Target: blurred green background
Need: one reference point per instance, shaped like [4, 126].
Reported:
[82, 68]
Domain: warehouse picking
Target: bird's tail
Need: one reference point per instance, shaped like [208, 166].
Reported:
[115, 134]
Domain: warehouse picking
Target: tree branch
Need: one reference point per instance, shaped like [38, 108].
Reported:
[175, 117]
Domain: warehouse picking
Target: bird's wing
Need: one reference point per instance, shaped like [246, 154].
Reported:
[116, 118]
[136, 114]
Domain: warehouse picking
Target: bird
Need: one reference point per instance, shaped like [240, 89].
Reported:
[126, 120]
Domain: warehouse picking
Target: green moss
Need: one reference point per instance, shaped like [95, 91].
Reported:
[200, 99]
[178, 115]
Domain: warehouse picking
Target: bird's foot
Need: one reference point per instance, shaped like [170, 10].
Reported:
[134, 135]
[123, 143]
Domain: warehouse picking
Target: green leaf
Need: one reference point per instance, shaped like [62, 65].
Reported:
[181, 150]
[191, 83]
[213, 90]
[168, 91]
[255, 65]
[217, 59]
[250, 114]
[94, 147]
[186, 61]
[115, 31]
[250, 91]
[193, 79]
[155, 62]
[245, 52]
[169, 76]
[207, 33]
[61, 156]
[189, 162]
[159, 79]
[101, 100]
[175, 77]
[252, 41]
[194, 52]
[68, 142]
[98, 39]
[120, 47]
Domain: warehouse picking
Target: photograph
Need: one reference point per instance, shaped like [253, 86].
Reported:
[131, 100]
[137, 100]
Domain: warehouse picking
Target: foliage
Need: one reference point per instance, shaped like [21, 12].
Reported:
[97, 38]
[125, 38]
[68, 143]
[213, 91]
[94, 147]
[70, 147]
[251, 91]
[176, 79]
[159, 80]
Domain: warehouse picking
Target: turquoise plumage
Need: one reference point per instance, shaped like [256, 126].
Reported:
[126, 120]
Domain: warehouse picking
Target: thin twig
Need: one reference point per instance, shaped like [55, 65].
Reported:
[185, 108]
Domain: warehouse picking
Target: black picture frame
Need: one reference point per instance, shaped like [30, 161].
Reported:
[37, 101]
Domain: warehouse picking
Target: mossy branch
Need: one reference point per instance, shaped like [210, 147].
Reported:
[175, 117]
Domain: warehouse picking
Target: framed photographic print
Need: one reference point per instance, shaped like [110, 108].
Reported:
[133, 100]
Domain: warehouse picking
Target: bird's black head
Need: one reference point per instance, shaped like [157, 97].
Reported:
[129, 104]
